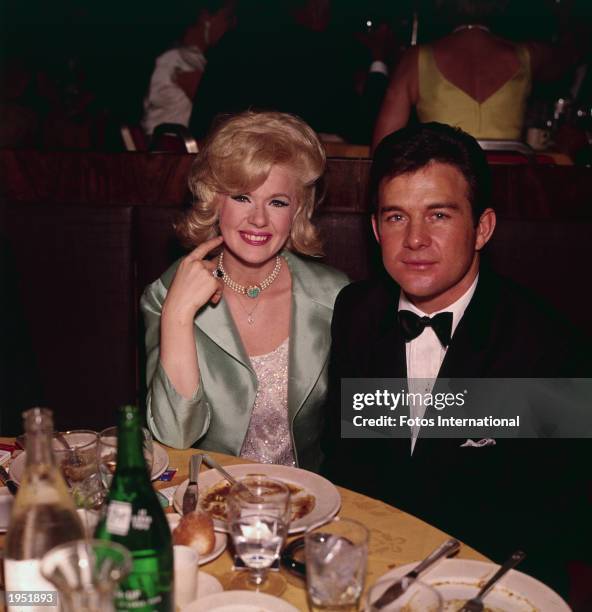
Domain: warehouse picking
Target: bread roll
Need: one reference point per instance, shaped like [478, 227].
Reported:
[196, 529]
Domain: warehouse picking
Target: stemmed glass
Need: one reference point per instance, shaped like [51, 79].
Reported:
[107, 453]
[258, 521]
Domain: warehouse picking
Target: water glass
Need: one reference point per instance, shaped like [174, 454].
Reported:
[107, 453]
[80, 462]
[86, 573]
[336, 557]
[258, 521]
[417, 597]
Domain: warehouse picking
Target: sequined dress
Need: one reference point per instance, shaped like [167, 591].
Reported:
[268, 437]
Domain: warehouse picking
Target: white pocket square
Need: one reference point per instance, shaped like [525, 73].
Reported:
[482, 442]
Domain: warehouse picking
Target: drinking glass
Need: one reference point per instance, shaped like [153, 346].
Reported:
[417, 597]
[107, 453]
[79, 466]
[80, 461]
[336, 557]
[86, 573]
[186, 562]
[258, 514]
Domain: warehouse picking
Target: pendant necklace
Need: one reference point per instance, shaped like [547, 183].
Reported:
[250, 319]
[251, 291]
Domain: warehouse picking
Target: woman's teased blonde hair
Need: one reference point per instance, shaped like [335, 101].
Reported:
[237, 157]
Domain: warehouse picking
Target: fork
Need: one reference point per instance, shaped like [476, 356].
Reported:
[73, 456]
[233, 481]
[475, 604]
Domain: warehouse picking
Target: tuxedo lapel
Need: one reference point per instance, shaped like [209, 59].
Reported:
[467, 354]
[386, 346]
[389, 360]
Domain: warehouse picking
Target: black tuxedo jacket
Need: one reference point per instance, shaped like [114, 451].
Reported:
[523, 493]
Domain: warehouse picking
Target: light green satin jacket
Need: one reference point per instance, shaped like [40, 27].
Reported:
[218, 415]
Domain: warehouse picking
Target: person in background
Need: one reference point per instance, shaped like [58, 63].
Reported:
[285, 56]
[237, 345]
[471, 78]
[178, 71]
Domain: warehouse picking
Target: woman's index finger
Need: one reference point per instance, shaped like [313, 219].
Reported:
[204, 248]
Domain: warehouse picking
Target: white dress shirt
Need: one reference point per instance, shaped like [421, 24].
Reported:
[166, 102]
[425, 353]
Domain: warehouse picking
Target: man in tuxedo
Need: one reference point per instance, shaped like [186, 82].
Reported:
[437, 313]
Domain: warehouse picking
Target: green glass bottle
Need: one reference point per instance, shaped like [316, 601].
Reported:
[135, 519]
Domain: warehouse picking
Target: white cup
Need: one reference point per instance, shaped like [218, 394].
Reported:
[186, 567]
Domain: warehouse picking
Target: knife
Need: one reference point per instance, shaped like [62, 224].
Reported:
[398, 588]
[8, 481]
[191, 492]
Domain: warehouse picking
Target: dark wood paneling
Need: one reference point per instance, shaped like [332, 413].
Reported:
[75, 269]
[526, 191]
[102, 179]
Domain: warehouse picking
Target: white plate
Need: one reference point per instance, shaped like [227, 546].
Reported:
[219, 544]
[160, 462]
[327, 498]
[207, 585]
[239, 601]
[460, 579]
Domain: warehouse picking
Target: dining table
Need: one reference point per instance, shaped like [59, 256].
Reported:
[396, 537]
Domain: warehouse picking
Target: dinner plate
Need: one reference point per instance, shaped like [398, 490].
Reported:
[160, 462]
[219, 544]
[239, 601]
[327, 498]
[460, 579]
[207, 585]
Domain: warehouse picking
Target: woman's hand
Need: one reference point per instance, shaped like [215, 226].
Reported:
[194, 285]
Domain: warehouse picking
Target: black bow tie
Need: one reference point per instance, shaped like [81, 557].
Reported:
[412, 325]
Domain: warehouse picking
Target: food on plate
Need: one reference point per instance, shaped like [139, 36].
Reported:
[214, 500]
[454, 605]
[196, 529]
[77, 471]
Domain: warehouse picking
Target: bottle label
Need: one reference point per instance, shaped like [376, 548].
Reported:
[142, 520]
[119, 516]
[134, 599]
[142, 594]
[25, 576]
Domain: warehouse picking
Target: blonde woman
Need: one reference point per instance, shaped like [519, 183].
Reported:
[238, 332]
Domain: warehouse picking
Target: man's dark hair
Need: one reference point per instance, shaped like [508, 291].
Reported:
[415, 147]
